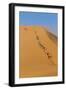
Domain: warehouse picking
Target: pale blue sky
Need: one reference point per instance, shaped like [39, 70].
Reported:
[49, 20]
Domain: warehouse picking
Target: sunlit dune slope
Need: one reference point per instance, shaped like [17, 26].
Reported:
[37, 52]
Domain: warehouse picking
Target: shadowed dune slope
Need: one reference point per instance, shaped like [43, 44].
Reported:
[37, 52]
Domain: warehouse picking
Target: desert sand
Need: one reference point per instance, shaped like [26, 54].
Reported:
[38, 51]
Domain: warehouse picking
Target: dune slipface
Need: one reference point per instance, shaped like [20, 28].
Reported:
[38, 51]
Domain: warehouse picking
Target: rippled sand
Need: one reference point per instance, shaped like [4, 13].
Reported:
[37, 52]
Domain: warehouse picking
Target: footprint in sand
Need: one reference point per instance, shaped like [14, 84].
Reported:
[44, 49]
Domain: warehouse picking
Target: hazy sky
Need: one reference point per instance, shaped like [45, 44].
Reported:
[49, 20]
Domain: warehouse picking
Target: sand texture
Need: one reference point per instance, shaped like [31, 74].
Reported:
[37, 52]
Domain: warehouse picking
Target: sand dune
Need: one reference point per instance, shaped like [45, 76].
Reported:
[37, 52]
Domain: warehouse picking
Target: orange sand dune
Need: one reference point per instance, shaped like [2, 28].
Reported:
[37, 52]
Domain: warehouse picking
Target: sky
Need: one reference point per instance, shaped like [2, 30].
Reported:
[49, 20]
